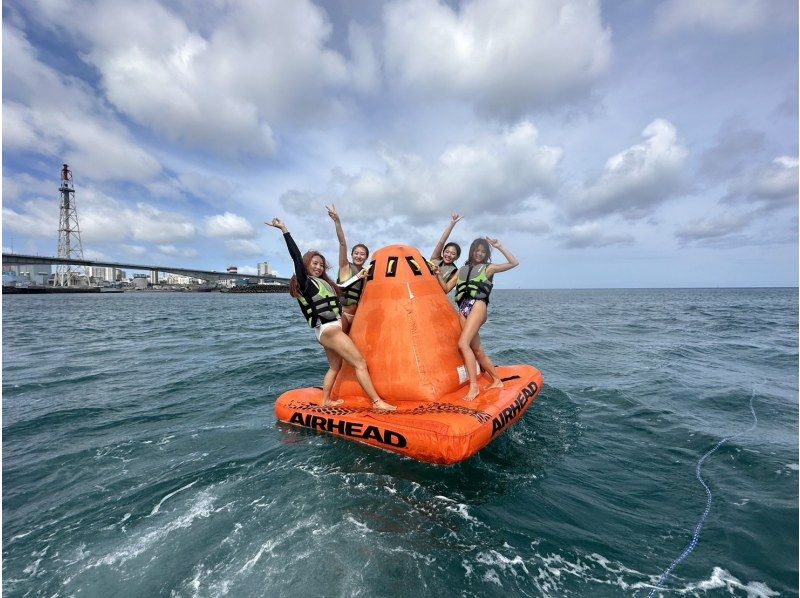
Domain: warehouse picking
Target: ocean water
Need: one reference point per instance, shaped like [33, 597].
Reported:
[141, 456]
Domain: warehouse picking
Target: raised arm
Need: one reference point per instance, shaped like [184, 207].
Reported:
[294, 252]
[343, 261]
[493, 269]
[437, 251]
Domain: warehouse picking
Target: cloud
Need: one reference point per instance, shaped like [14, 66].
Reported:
[496, 174]
[734, 149]
[592, 234]
[58, 116]
[504, 57]
[35, 218]
[711, 229]
[243, 247]
[22, 185]
[721, 15]
[228, 225]
[773, 186]
[221, 90]
[637, 180]
[172, 251]
[148, 223]
[168, 249]
[133, 250]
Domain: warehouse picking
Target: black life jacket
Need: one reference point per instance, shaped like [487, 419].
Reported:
[473, 287]
[352, 294]
[323, 306]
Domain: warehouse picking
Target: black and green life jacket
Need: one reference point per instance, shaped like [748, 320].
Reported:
[352, 294]
[323, 306]
[471, 286]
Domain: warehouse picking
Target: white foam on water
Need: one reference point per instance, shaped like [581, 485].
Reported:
[33, 568]
[170, 495]
[461, 510]
[491, 576]
[268, 546]
[201, 508]
[360, 526]
[720, 578]
[792, 466]
[496, 559]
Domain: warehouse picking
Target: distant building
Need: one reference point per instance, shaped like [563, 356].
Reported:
[264, 269]
[33, 273]
[182, 280]
[104, 274]
[140, 281]
[233, 270]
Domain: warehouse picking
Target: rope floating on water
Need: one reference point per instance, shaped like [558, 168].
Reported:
[697, 528]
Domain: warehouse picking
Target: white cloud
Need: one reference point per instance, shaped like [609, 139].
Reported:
[593, 234]
[35, 218]
[172, 251]
[720, 15]
[228, 225]
[711, 229]
[260, 63]
[168, 249]
[148, 223]
[494, 175]
[637, 180]
[23, 185]
[57, 116]
[773, 186]
[243, 247]
[247, 270]
[134, 250]
[506, 57]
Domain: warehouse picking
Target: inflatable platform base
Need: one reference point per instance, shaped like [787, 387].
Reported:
[444, 431]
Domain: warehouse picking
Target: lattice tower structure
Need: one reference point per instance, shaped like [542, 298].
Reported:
[69, 236]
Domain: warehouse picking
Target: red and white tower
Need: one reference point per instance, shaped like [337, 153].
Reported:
[69, 236]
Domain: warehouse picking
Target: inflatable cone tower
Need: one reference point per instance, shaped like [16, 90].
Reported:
[408, 330]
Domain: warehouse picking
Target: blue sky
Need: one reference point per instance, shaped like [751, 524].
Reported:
[606, 144]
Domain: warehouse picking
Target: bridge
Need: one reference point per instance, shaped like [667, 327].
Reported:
[31, 260]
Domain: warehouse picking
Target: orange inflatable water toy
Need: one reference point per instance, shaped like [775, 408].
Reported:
[408, 331]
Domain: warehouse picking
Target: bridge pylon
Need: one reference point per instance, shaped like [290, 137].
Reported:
[69, 236]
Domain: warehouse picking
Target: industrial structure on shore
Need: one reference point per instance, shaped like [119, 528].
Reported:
[75, 274]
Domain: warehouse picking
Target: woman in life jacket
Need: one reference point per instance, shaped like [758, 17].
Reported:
[445, 254]
[319, 301]
[348, 269]
[473, 283]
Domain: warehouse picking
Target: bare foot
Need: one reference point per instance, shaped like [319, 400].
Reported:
[330, 403]
[381, 405]
[474, 391]
[498, 383]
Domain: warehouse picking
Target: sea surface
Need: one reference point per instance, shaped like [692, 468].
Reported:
[141, 456]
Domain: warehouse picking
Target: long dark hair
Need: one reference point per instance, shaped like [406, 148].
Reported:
[294, 286]
[475, 244]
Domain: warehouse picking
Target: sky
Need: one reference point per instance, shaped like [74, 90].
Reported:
[635, 143]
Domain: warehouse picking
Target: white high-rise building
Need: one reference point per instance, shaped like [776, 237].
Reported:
[264, 269]
[102, 273]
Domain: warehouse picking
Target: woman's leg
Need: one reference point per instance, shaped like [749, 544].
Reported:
[348, 313]
[338, 342]
[469, 328]
[485, 362]
[334, 365]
